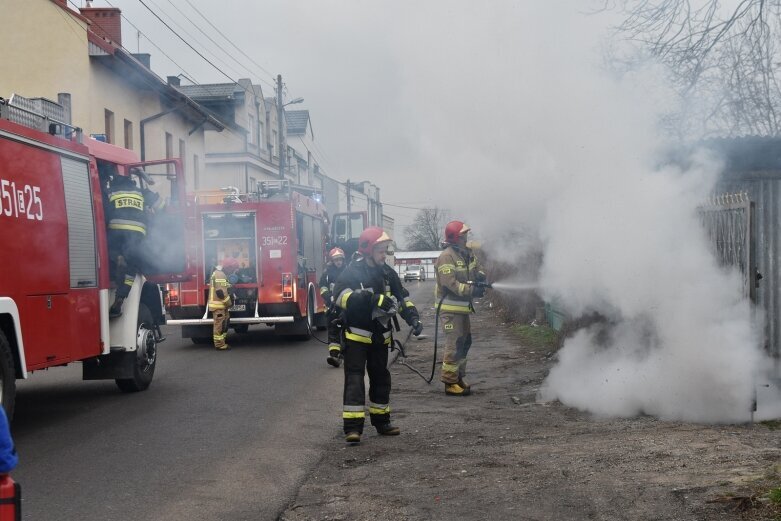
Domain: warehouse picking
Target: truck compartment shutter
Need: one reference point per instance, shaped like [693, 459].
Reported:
[81, 223]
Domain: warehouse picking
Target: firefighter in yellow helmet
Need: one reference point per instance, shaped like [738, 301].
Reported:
[220, 300]
[369, 293]
[456, 266]
[333, 269]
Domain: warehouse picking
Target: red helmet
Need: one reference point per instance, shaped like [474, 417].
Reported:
[229, 264]
[335, 253]
[370, 237]
[453, 230]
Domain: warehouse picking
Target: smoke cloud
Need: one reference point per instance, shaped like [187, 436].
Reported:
[565, 157]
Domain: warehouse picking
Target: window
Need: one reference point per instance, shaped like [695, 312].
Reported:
[129, 135]
[261, 132]
[274, 143]
[251, 130]
[109, 120]
[253, 184]
[183, 155]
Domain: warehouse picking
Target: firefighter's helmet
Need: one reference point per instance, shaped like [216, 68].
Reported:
[453, 230]
[336, 253]
[369, 238]
[229, 265]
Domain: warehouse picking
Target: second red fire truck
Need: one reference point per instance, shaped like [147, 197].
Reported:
[278, 235]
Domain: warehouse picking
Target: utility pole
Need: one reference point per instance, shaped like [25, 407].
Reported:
[349, 217]
[280, 116]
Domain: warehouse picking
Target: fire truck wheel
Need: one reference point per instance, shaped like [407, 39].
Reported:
[146, 355]
[7, 376]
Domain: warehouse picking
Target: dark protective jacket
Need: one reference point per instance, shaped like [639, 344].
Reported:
[354, 292]
[126, 208]
[454, 267]
[328, 280]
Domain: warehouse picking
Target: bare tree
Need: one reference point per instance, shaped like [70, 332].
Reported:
[426, 232]
[724, 58]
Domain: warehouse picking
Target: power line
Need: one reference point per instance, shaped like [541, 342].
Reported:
[206, 49]
[192, 77]
[229, 55]
[229, 40]
[188, 43]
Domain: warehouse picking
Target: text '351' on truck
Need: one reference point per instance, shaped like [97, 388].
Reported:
[56, 282]
[278, 237]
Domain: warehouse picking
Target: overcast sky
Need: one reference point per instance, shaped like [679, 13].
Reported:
[406, 94]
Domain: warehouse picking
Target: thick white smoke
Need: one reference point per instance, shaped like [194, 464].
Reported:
[568, 155]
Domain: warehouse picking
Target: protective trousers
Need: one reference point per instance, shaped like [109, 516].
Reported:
[371, 358]
[334, 331]
[124, 249]
[458, 340]
[220, 331]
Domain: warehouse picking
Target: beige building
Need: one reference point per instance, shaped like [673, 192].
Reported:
[114, 94]
[245, 152]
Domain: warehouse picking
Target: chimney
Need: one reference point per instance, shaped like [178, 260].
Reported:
[174, 81]
[106, 22]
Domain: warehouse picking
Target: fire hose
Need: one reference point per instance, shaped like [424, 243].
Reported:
[398, 347]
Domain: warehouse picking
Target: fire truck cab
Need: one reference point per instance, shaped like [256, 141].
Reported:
[56, 281]
[278, 235]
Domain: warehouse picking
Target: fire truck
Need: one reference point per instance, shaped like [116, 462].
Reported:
[278, 235]
[55, 284]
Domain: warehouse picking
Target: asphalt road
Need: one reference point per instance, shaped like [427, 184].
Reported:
[218, 435]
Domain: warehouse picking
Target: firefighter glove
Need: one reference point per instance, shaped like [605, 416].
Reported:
[327, 297]
[480, 276]
[417, 328]
[384, 303]
[478, 291]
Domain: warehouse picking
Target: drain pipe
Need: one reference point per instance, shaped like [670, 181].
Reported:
[147, 120]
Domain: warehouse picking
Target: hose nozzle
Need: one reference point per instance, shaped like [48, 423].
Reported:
[480, 284]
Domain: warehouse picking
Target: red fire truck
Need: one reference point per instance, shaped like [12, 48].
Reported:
[55, 285]
[278, 234]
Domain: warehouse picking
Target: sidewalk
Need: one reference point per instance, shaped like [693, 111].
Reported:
[499, 455]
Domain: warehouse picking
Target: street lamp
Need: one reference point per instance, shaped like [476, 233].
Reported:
[282, 137]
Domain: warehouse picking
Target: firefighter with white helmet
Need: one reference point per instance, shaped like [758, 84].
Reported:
[220, 300]
[455, 268]
[333, 269]
[369, 293]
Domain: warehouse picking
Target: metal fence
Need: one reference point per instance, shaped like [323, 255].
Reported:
[729, 222]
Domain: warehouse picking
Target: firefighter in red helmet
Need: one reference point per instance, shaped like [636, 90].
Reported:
[332, 271]
[456, 266]
[220, 300]
[369, 293]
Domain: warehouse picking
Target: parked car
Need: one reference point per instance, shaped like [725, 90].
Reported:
[415, 272]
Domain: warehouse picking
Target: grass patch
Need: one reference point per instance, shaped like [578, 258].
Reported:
[537, 336]
[775, 495]
[773, 425]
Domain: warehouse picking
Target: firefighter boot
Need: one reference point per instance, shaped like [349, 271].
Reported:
[387, 429]
[456, 390]
[463, 383]
[115, 310]
[352, 437]
[334, 358]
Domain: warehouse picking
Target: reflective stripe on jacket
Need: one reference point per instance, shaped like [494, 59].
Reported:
[126, 209]
[217, 281]
[454, 267]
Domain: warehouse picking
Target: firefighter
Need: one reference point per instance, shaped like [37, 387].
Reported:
[220, 300]
[369, 294]
[327, 281]
[456, 266]
[126, 232]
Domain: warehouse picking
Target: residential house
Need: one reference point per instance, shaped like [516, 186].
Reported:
[113, 93]
[301, 165]
[240, 156]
